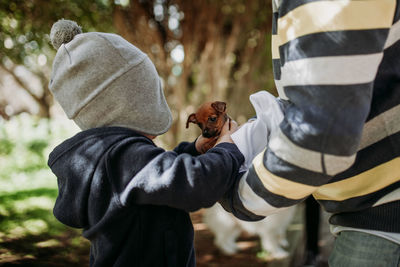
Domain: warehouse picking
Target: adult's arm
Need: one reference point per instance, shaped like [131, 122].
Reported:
[326, 55]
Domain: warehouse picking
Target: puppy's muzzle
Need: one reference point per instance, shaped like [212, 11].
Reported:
[207, 133]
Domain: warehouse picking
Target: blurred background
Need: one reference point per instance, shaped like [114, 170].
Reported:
[203, 50]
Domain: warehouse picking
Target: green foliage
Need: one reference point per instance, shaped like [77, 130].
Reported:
[28, 227]
[25, 142]
[25, 26]
[37, 146]
[263, 255]
[28, 191]
[6, 147]
[18, 207]
[25, 179]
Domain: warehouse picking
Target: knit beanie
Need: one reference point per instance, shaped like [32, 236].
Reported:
[100, 79]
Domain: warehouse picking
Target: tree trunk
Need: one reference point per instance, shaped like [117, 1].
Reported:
[225, 53]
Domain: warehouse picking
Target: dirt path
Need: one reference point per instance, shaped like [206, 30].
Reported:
[70, 249]
[208, 255]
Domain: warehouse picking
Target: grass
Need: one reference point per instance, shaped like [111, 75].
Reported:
[29, 233]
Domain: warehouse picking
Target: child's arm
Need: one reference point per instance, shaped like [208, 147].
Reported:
[194, 147]
[179, 181]
[187, 147]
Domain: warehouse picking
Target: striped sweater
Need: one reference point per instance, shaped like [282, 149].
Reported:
[337, 71]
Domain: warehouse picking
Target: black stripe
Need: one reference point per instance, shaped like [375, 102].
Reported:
[397, 13]
[291, 172]
[273, 199]
[324, 116]
[372, 156]
[386, 93]
[335, 43]
[381, 218]
[232, 203]
[357, 203]
[274, 23]
[276, 65]
[289, 5]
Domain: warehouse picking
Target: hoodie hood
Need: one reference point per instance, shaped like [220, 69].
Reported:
[75, 163]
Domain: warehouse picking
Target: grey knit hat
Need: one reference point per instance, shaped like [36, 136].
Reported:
[100, 79]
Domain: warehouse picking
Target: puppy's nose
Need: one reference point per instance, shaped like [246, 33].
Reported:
[206, 133]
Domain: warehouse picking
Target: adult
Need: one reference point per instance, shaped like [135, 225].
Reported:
[334, 131]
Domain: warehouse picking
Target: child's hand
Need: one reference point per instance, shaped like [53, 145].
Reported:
[225, 135]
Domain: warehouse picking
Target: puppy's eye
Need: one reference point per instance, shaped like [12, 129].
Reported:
[212, 119]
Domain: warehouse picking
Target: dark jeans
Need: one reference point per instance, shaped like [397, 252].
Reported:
[357, 249]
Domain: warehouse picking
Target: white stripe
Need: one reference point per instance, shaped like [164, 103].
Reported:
[290, 152]
[392, 196]
[331, 70]
[335, 164]
[394, 35]
[275, 5]
[378, 128]
[281, 91]
[304, 158]
[252, 202]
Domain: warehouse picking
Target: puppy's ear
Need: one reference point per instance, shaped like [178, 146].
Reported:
[191, 118]
[219, 106]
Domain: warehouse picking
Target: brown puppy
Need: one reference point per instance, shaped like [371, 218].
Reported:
[210, 117]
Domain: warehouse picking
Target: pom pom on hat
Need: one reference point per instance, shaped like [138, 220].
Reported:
[63, 31]
[93, 71]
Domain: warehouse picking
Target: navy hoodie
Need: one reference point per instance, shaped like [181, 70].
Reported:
[133, 199]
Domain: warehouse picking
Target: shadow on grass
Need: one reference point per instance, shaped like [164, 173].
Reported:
[19, 195]
[66, 249]
[31, 236]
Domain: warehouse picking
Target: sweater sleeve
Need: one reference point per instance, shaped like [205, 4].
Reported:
[176, 180]
[187, 147]
[325, 56]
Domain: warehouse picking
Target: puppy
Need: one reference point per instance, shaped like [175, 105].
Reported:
[210, 117]
[271, 230]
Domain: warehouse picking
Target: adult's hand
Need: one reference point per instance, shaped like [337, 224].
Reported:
[225, 136]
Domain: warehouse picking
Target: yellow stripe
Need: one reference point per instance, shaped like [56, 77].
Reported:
[275, 46]
[280, 186]
[362, 184]
[323, 16]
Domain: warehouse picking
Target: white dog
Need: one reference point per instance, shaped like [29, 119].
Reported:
[271, 230]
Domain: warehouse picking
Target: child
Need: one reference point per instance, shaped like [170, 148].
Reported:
[131, 197]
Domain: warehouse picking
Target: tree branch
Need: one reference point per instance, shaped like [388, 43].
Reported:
[21, 83]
